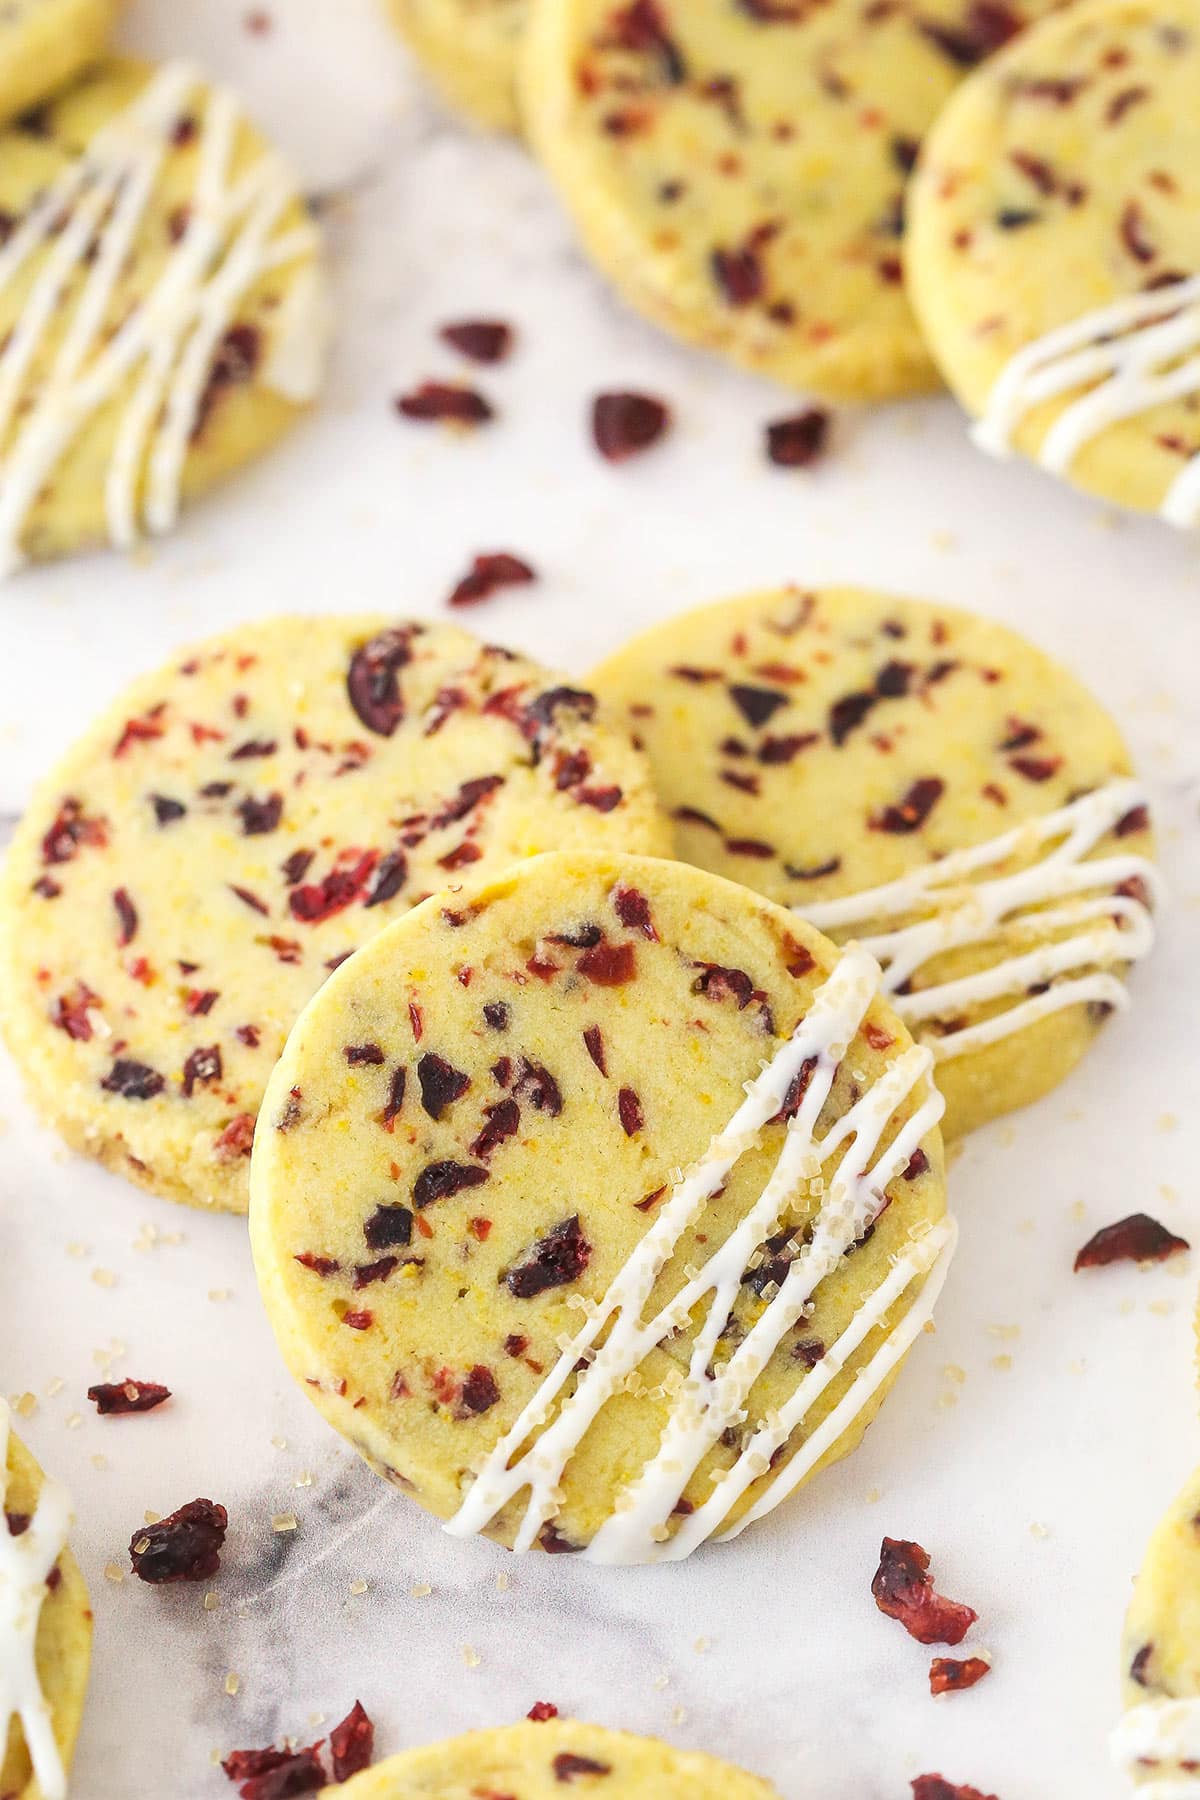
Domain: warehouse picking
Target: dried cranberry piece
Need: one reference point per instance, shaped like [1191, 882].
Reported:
[71, 1012]
[300, 1772]
[71, 830]
[498, 1014]
[441, 1084]
[541, 1710]
[543, 710]
[389, 1225]
[367, 1273]
[483, 340]
[359, 1321]
[390, 877]
[260, 816]
[1036, 768]
[739, 273]
[536, 1084]
[503, 1122]
[357, 1054]
[133, 1080]
[373, 681]
[936, 1787]
[237, 1139]
[593, 1038]
[240, 1765]
[203, 1065]
[799, 441]
[949, 1676]
[442, 1180]
[848, 713]
[988, 27]
[319, 1265]
[567, 1766]
[717, 983]
[480, 1390]
[489, 573]
[903, 1589]
[756, 704]
[127, 918]
[630, 1112]
[633, 910]
[553, 1261]
[609, 965]
[625, 424]
[442, 402]
[642, 28]
[127, 1396]
[234, 364]
[913, 810]
[186, 1546]
[1139, 1238]
[468, 797]
[317, 901]
[166, 811]
[352, 1743]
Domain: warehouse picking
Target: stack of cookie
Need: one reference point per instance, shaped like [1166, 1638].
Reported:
[856, 199]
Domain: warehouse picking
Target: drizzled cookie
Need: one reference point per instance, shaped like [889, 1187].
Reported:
[1158, 1740]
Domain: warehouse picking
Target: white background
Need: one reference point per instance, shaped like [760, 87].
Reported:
[1036, 1491]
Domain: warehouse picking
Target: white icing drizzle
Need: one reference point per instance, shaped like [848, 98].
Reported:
[1161, 1738]
[25, 1563]
[87, 223]
[1137, 353]
[707, 1402]
[1009, 910]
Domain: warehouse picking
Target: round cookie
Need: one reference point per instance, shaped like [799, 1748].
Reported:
[1158, 1740]
[469, 48]
[535, 1761]
[1054, 250]
[530, 1242]
[739, 170]
[45, 1628]
[162, 306]
[240, 821]
[45, 43]
[822, 745]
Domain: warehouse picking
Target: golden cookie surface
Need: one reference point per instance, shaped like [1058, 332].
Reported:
[739, 170]
[1061, 178]
[536, 1761]
[238, 822]
[820, 744]
[470, 49]
[475, 1130]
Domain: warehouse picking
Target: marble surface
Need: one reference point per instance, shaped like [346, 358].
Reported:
[1034, 1479]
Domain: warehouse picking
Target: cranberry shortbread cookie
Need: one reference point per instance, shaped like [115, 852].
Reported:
[240, 821]
[598, 1204]
[45, 1628]
[739, 170]
[538, 1761]
[162, 306]
[921, 779]
[1158, 1740]
[1054, 251]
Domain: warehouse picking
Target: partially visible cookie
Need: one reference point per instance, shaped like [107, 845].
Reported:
[531, 1231]
[470, 49]
[45, 43]
[739, 170]
[1158, 1740]
[1054, 250]
[240, 821]
[162, 306]
[45, 1628]
[539, 1761]
[843, 752]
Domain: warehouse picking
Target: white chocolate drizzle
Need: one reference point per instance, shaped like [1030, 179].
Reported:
[85, 227]
[25, 1565]
[708, 1401]
[1161, 1738]
[1139, 352]
[965, 905]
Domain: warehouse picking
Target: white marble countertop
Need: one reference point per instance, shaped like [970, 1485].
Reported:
[1034, 1485]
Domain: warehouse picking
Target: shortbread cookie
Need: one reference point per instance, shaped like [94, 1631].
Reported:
[1158, 1740]
[45, 1628]
[739, 170]
[238, 823]
[469, 48]
[43, 46]
[539, 1761]
[1054, 250]
[510, 1174]
[866, 759]
[162, 306]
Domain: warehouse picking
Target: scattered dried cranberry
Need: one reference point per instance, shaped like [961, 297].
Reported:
[185, 1546]
[558, 1258]
[623, 425]
[442, 1180]
[609, 965]
[439, 401]
[297, 1772]
[799, 441]
[1138, 1238]
[502, 1121]
[389, 1226]
[629, 1109]
[127, 1396]
[903, 1589]
[541, 1710]
[480, 1390]
[488, 573]
[936, 1787]
[948, 1676]
[373, 682]
[127, 918]
[913, 810]
[351, 1743]
[133, 1080]
[441, 1084]
[567, 1766]
[483, 340]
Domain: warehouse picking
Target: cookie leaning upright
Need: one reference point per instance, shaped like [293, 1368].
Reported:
[1054, 250]
[239, 822]
[45, 43]
[1158, 1740]
[739, 170]
[470, 49]
[536, 1761]
[598, 1205]
[45, 1628]
[162, 306]
[924, 780]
